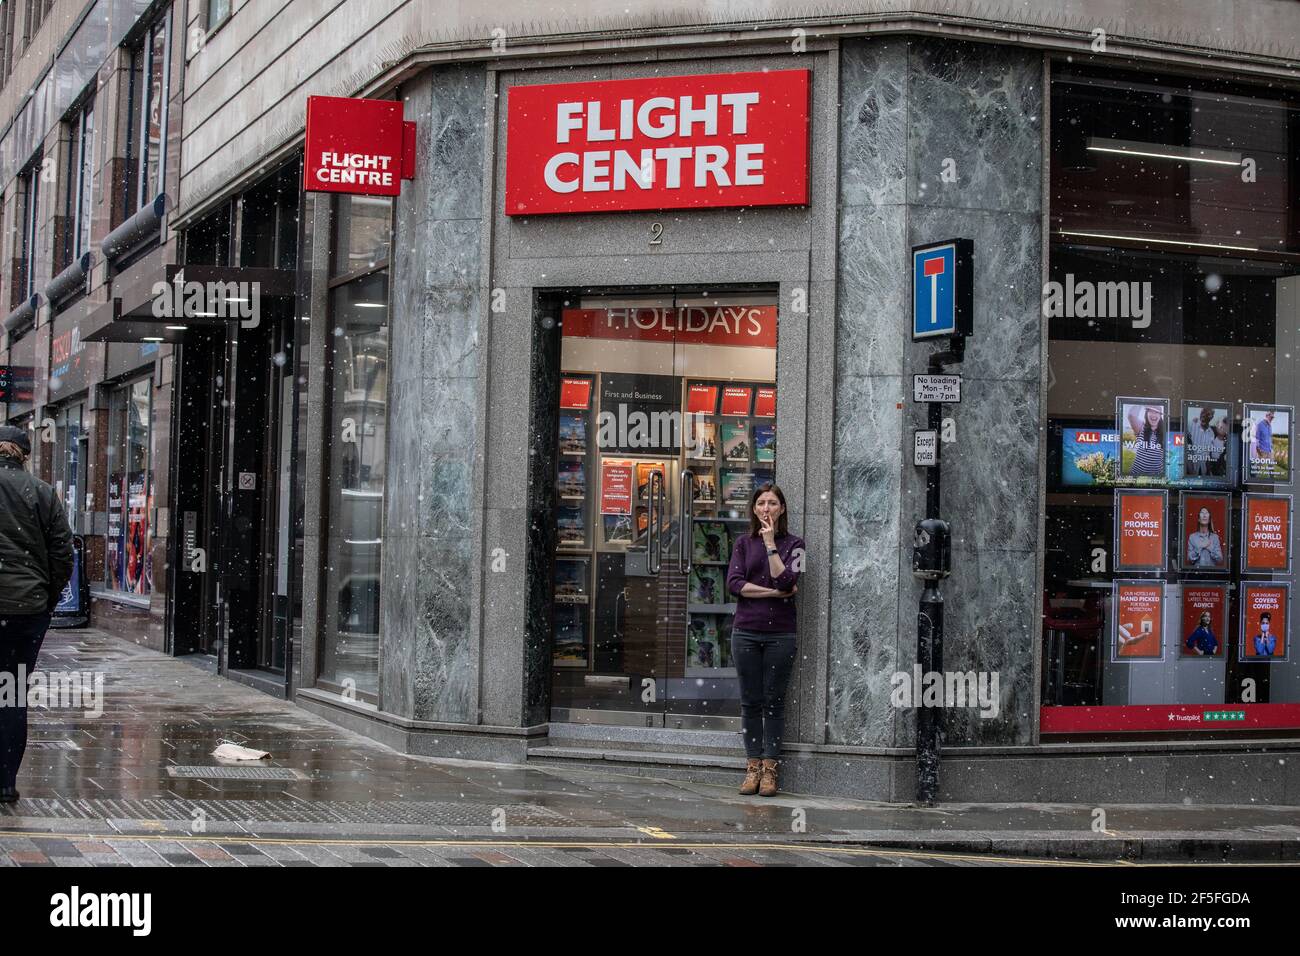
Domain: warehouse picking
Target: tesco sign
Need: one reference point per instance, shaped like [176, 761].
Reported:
[670, 142]
[357, 146]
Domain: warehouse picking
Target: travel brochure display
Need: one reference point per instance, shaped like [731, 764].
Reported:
[1266, 433]
[702, 399]
[572, 483]
[710, 541]
[1204, 620]
[575, 393]
[1265, 534]
[1264, 622]
[735, 441]
[570, 645]
[572, 528]
[1207, 444]
[1140, 530]
[1138, 609]
[708, 640]
[765, 443]
[736, 486]
[1205, 534]
[735, 400]
[573, 434]
[765, 403]
[703, 440]
[706, 492]
[571, 577]
[708, 585]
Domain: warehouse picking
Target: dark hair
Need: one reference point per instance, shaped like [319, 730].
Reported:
[1266, 616]
[755, 527]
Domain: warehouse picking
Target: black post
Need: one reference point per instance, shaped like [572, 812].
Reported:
[929, 619]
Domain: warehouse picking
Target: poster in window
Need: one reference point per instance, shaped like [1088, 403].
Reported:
[702, 399]
[710, 541]
[615, 487]
[572, 531]
[116, 541]
[703, 442]
[1207, 444]
[765, 443]
[1205, 537]
[765, 403]
[575, 393]
[138, 566]
[1265, 534]
[1265, 623]
[1137, 612]
[1140, 530]
[571, 576]
[1205, 620]
[572, 484]
[1143, 426]
[1266, 433]
[736, 400]
[737, 486]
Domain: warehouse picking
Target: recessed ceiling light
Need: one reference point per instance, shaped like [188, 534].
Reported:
[153, 338]
[370, 305]
[176, 328]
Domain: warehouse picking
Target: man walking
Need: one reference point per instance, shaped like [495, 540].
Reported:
[35, 564]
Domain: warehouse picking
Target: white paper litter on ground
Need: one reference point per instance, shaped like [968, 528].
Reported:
[236, 752]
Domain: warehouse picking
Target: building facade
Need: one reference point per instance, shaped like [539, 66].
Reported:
[467, 475]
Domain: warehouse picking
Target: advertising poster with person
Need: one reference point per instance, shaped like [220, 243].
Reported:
[1207, 444]
[1264, 622]
[1205, 535]
[1143, 426]
[1140, 530]
[1266, 433]
[1204, 620]
[1138, 609]
[1265, 534]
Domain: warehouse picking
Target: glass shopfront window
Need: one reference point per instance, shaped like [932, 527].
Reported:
[70, 461]
[129, 560]
[359, 418]
[1173, 309]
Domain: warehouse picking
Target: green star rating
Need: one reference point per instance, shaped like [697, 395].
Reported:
[1223, 715]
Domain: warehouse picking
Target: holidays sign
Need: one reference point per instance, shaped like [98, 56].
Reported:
[666, 142]
[357, 146]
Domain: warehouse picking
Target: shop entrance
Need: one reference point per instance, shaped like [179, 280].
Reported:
[666, 422]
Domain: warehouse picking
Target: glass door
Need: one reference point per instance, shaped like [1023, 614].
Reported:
[666, 421]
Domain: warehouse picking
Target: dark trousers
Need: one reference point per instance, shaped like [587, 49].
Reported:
[20, 641]
[764, 663]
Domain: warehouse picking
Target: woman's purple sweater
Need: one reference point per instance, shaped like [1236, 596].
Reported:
[749, 563]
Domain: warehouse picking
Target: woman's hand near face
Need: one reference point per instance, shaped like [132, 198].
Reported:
[768, 531]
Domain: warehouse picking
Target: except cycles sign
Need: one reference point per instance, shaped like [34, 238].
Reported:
[357, 146]
[667, 142]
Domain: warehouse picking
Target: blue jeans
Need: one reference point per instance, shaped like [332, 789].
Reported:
[20, 641]
[764, 663]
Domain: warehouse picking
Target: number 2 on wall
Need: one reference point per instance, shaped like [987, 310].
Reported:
[656, 233]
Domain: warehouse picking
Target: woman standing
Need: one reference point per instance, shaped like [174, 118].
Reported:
[763, 575]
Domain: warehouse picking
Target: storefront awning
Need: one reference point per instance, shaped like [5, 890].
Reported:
[188, 297]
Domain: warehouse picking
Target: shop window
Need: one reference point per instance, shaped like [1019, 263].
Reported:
[129, 564]
[1173, 307]
[218, 11]
[362, 234]
[79, 182]
[7, 51]
[207, 242]
[147, 115]
[29, 189]
[269, 221]
[37, 10]
[70, 462]
[358, 414]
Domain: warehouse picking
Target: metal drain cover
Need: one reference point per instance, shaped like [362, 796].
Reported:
[238, 773]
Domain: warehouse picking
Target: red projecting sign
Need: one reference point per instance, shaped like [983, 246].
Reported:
[667, 142]
[355, 146]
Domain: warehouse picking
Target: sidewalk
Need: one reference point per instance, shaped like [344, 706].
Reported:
[143, 773]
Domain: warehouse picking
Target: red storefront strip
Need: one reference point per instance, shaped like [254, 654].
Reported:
[1147, 718]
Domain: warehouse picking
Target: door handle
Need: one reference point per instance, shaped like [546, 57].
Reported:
[688, 522]
[654, 534]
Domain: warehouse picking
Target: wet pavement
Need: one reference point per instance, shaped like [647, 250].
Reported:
[138, 785]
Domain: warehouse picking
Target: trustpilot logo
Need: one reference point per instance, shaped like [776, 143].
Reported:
[62, 690]
[180, 300]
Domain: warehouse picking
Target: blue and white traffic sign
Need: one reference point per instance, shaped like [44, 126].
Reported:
[941, 292]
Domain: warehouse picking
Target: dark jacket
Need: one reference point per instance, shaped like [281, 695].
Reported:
[35, 542]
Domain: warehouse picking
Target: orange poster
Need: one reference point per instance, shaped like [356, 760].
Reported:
[1140, 530]
[1138, 608]
[1205, 620]
[1266, 534]
[1264, 622]
[616, 487]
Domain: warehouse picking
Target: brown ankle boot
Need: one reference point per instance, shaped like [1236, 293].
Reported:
[767, 786]
[753, 774]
